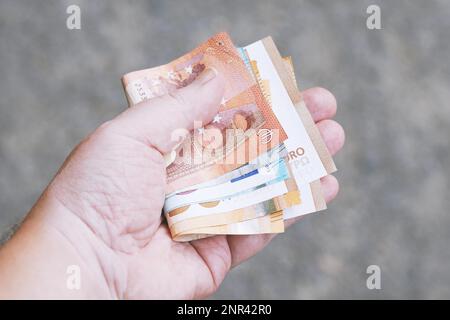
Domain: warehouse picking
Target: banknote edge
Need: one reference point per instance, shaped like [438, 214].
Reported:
[317, 193]
[300, 106]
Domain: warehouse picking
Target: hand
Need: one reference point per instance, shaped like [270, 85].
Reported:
[102, 211]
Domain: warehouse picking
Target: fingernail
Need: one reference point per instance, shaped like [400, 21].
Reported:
[207, 75]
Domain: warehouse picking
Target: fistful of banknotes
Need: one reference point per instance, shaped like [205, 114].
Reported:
[258, 162]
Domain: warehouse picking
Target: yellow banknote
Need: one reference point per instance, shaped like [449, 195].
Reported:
[273, 223]
[209, 224]
[279, 203]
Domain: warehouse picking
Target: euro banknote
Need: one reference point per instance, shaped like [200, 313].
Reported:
[261, 209]
[262, 160]
[206, 215]
[315, 203]
[312, 193]
[246, 181]
[313, 200]
[276, 170]
[250, 197]
[243, 111]
[226, 193]
[272, 223]
[307, 152]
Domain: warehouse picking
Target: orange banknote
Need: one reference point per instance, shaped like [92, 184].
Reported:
[245, 122]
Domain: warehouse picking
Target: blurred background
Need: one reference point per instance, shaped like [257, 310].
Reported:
[393, 92]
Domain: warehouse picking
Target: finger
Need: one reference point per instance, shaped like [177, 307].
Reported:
[330, 187]
[216, 254]
[243, 247]
[333, 134]
[321, 103]
[155, 121]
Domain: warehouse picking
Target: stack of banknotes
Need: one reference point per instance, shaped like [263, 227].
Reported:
[258, 162]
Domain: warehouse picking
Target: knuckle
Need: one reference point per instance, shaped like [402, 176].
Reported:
[179, 97]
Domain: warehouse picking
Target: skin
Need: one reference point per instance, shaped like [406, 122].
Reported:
[102, 210]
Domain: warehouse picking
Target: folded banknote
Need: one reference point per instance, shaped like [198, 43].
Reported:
[271, 169]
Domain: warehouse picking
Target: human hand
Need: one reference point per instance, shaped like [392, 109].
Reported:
[103, 208]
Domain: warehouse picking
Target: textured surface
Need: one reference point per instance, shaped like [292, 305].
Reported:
[392, 87]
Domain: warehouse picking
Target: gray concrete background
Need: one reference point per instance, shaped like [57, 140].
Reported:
[392, 86]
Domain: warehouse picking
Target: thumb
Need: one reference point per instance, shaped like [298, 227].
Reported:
[154, 121]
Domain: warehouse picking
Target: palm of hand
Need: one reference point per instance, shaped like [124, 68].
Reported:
[122, 201]
[156, 263]
[115, 184]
